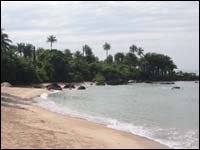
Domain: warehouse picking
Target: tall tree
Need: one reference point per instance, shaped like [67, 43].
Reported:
[68, 54]
[20, 48]
[109, 59]
[106, 47]
[51, 39]
[89, 56]
[26, 49]
[34, 56]
[140, 52]
[78, 55]
[131, 59]
[5, 41]
[133, 48]
[119, 58]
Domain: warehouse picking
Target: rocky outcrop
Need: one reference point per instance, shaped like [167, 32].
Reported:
[54, 86]
[69, 86]
[117, 82]
[81, 88]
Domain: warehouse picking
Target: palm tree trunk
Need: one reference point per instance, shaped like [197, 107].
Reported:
[51, 45]
[106, 53]
[34, 57]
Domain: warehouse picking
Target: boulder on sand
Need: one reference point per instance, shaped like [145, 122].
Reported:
[38, 86]
[167, 83]
[69, 85]
[6, 84]
[54, 86]
[117, 82]
[81, 88]
[151, 82]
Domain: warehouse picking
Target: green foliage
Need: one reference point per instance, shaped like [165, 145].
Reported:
[110, 72]
[131, 59]
[27, 50]
[119, 58]
[5, 42]
[109, 59]
[22, 64]
[89, 56]
[100, 79]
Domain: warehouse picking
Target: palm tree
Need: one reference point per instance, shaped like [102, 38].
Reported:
[133, 48]
[140, 51]
[20, 48]
[5, 41]
[51, 39]
[119, 57]
[106, 47]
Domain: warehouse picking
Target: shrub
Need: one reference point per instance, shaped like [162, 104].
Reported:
[100, 79]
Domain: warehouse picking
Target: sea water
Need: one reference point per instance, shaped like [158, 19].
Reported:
[155, 111]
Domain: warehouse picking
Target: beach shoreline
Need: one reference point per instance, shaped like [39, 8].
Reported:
[47, 129]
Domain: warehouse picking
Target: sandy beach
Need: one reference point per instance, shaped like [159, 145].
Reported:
[24, 125]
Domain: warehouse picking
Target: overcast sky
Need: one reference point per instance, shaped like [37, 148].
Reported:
[170, 28]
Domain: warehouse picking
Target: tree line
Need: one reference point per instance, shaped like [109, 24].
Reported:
[24, 64]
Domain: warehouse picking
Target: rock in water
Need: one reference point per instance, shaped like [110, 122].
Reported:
[54, 86]
[176, 87]
[81, 88]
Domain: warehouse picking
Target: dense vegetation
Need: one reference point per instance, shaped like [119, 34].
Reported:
[24, 64]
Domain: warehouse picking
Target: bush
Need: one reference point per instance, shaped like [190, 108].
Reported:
[100, 79]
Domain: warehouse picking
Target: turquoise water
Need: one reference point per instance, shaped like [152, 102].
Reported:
[155, 111]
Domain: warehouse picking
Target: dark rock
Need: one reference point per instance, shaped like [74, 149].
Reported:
[69, 85]
[117, 82]
[176, 87]
[37, 86]
[139, 81]
[167, 83]
[100, 83]
[81, 88]
[148, 82]
[54, 86]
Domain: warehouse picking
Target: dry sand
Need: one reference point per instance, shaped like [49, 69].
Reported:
[24, 125]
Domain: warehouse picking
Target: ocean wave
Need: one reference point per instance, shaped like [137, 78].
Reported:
[170, 137]
[44, 96]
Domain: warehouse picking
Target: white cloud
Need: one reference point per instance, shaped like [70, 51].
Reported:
[167, 27]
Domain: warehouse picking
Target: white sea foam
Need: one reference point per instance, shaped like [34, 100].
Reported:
[44, 96]
[174, 139]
